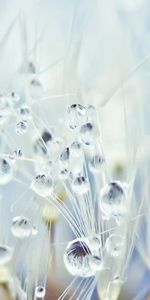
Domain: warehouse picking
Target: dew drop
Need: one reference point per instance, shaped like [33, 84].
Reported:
[80, 185]
[97, 164]
[113, 199]
[25, 112]
[35, 88]
[76, 149]
[94, 243]
[5, 254]
[89, 133]
[18, 153]
[21, 227]
[64, 157]
[21, 127]
[6, 172]
[76, 258]
[115, 245]
[42, 185]
[75, 115]
[40, 291]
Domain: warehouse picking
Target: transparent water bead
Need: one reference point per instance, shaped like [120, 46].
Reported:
[76, 258]
[94, 243]
[18, 153]
[115, 245]
[89, 133]
[21, 127]
[95, 263]
[80, 185]
[40, 291]
[65, 155]
[25, 112]
[14, 98]
[5, 254]
[75, 115]
[35, 88]
[76, 149]
[40, 146]
[6, 171]
[21, 227]
[113, 199]
[64, 173]
[97, 164]
[91, 113]
[42, 185]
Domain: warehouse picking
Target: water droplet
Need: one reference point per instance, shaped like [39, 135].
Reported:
[42, 185]
[64, 173]
[91, 113]
[94, 243]
[21, 227]
[80, 185]
[97, 164]
[89, 133]
[25, 112]
[115, 245]
[35, 88]
[113, 199]
[41, 144]
[75, 115]
[18, 153]
[76, 258]
[95, 263]
[64, 157]
[76, 149]
[6, 172]
[14, 98]
[21, 127]
[40, 291]
[5, 254]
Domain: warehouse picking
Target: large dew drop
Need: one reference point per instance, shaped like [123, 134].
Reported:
[113, 199]
[6, 172]
[21, 227]
[42, 185]
[5, 254]
[76, 258]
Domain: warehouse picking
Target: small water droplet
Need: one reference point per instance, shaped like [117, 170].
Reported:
[6, 171]
[80, 185]
[75, 115]
[89, 133]
[21, 227]
[21, 127]
[115, 245]
[97, 164]
[40, 291]
[42, 185]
